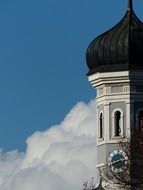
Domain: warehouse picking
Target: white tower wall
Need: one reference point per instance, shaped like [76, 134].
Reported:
[116, 91]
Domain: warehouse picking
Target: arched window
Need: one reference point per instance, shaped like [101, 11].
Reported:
[140, 120]
[101, 126]
[117, 124]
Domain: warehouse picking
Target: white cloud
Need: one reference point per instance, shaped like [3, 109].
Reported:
[63, 157]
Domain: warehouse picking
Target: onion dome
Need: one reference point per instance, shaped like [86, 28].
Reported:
[120, 48]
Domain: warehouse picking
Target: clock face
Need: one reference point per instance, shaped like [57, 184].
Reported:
[118, 161]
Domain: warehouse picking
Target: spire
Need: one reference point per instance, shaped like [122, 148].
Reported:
[130, 5]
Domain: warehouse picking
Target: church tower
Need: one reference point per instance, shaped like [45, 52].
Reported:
[115, 62]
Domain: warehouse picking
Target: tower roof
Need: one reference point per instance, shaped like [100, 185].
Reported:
[120, 48]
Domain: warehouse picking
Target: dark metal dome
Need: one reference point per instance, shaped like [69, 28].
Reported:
[120, 48]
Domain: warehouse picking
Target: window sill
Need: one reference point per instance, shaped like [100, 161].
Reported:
[100, 139]
[118, 137]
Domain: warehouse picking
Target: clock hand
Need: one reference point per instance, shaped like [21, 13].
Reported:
[114, 162]
[117, 161]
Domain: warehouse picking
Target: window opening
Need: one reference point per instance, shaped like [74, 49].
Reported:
[117, 123]
[101, 126]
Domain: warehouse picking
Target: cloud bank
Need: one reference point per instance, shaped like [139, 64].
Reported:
[60, 158]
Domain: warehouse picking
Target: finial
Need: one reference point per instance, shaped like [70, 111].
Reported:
[130, 5]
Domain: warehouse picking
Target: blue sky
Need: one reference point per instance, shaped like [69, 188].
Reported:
[42, 60]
